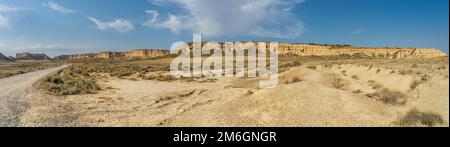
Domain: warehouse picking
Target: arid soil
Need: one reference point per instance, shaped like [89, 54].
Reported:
[311, 92]
[14, 90]
[14, 68]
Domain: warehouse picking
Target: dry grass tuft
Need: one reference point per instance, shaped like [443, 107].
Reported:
[8, 69]
[389, 97]
[294, 80]
[68, 83]
[312, 67]
[338, 83]
[288, 65]
[414, 117]
[357, 91]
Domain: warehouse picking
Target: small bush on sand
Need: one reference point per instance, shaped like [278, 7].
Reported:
[338, 83]
[405, 72]
[389, 97]
[377, 86]
[158, 77]
[70, 81]
[357, 91]
[294, 80]
[414, 117]
[312, 67]
[378, 70]
[68, 85]
[286, 66]
[249, 92]
[415, 84]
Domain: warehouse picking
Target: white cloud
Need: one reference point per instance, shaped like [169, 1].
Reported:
[118, 25]
[4, 22]
[156, 2]
[4, 11]
[173, 22]
[58, 8]
[215, 18]
[5, 8]
[358, 31]
[48, 46]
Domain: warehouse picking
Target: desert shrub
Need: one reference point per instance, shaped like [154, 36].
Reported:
[415, 84]
[357, 91]
[415, 117]
[405, 72]
[389, 97]
[312, 67]
[296, 79]
[68, 85]
[377, 86]
[286, 66]
[442, 67]
[338, 83]
[378, 70]
[355, 77]
[249, 92]
[158, 77]
[370, 67]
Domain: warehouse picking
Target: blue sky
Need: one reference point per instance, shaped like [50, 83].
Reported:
[79, 26]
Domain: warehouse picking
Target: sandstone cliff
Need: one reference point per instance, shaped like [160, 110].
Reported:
[145, 53]
[29, 56]
[138, 53]
[349, 51]
[285, 48]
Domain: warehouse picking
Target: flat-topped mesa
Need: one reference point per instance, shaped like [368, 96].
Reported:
[29, 56]
[138, 53]
[145, 53]
[284, 48]
[350, 51]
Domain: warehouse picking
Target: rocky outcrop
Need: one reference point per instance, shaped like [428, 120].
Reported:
[285, 48]
[3, 58]
[350, 51]
[138, 53]
[145, 53]
[29, 56]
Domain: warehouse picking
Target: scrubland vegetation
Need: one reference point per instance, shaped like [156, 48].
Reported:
[13, 68]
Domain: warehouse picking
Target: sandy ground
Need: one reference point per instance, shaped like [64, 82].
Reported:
[311, 101]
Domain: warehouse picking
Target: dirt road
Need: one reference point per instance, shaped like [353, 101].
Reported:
[12, 91]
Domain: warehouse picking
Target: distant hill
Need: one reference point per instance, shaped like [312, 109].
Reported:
[29, 56]
[12, 58]
[3, 58]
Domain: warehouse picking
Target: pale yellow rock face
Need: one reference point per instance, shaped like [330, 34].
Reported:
[143, 53]
[285, 48]
[140, 53]
[321, 50]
